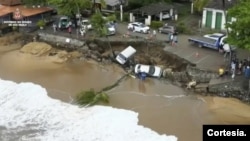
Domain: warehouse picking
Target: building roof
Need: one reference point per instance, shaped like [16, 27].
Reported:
[10, 2]
[26, 12]
[154, 9]
[218, 4]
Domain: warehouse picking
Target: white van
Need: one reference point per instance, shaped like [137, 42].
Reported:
[123, 56]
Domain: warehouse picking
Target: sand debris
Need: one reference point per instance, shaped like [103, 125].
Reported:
[36, 48]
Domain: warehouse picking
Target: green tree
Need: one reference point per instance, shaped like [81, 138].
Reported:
[239, 34]
[133, 4]
[146, 2]
[98, 22]
[111, 18]
[91, 97]
[70, 7]
[199, 5]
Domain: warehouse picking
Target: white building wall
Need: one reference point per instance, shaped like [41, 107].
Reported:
[204, 16]
[214, 11]
[148, 20]
[171, 12]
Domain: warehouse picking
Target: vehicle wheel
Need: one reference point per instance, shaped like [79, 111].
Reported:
[141, 31]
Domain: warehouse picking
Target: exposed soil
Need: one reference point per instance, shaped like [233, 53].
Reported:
[36, 49]
[10, 38]
[151, 54]
[154, 55]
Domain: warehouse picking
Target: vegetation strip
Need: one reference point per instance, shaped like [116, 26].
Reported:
[89, 98]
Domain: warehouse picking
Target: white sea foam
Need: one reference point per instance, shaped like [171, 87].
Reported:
[27, 113]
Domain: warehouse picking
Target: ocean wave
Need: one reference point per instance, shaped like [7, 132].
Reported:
[27, 113]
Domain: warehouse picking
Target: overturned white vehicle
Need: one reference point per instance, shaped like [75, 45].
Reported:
[153, 71]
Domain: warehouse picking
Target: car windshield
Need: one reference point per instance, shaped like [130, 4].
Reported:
[85, 22]
[214, 36]
[139, 67]
[151, 70]
[109, 25]
[170, 27]
[122, 56]
[64, 20]
[142, 25]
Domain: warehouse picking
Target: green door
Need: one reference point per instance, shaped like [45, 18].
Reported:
[218, 20]
[209, 19]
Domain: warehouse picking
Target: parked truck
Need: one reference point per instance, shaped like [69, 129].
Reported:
[213, 41]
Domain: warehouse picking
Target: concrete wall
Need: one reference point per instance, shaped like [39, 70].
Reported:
[61, 41]
[205, 83]
[237, 89]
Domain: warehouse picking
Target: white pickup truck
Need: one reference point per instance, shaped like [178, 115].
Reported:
[213, 41]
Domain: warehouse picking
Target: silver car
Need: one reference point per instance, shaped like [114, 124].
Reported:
[167, 29]
[110, 29]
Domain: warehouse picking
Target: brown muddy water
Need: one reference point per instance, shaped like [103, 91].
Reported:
[162, 106]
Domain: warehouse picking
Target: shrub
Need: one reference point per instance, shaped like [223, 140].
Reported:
[112, 17]
[126, 17]
[156, 24]
[181, 28]
[41, 23]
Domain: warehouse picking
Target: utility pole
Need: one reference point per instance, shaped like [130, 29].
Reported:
[225, 13]
[79, 18]
[121, 13]
[192, 7]
[113, 53]
[227, 31]
[121, 10]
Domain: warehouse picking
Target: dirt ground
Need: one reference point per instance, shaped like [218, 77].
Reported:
[43, 50]
[154, 55]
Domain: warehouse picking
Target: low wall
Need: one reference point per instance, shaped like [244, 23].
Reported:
[200, 75]
[231, 88]
[123, 41]
[66, 42]
[191, 73]
[234, 88]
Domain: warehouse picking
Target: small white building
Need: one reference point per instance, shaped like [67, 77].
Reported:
[153, 10]
[213, 16]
